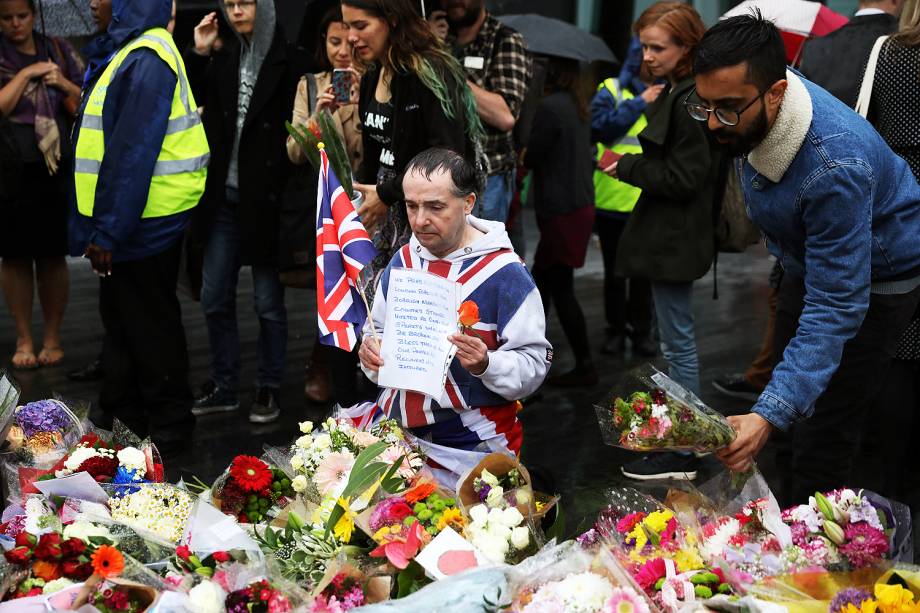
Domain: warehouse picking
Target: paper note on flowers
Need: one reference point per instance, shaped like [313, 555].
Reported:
[421, 314]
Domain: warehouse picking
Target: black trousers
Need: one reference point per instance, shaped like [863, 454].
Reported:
[622, 308]
[818, 454]
[144, 354]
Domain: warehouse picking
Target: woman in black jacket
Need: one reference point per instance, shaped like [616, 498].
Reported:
[669, 236]
[247, 89]
[559, 152]
[414, 96]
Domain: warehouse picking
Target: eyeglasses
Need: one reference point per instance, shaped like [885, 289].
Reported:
[239, 4]
[727, 117]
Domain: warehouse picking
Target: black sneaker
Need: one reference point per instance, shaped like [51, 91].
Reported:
[737, 386]
[662, 466]
[214, 399]
[267, 406]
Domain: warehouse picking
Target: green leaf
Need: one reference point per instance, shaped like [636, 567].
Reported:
[271, 538]
[409, 579]
[306, 140]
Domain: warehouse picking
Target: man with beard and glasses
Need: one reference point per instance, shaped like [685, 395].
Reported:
[841, 212]
[498, 71]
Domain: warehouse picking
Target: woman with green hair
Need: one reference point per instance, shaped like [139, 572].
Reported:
[413, 96]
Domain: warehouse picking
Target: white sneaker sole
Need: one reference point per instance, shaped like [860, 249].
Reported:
[225, 408]
[264, 419]
[676, 476]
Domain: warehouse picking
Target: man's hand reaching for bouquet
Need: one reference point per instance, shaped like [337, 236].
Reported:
[753, 432]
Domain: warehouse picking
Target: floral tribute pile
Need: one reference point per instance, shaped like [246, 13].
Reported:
[345, 518]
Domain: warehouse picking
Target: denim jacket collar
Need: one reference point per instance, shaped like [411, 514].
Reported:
[773, 156]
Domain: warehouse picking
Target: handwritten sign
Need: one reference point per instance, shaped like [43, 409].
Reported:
[421, 314]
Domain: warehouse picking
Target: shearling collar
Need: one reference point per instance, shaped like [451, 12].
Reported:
[773, 156]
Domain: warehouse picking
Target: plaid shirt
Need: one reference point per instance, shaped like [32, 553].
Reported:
[506, 70]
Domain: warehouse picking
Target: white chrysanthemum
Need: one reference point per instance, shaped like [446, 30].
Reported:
[133, 458]
[161, 509]
[715, 545]
[79, 455]
[579, 593]
[306, 427]
[207, 597]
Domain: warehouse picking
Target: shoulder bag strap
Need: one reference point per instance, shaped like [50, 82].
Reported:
[865, 91]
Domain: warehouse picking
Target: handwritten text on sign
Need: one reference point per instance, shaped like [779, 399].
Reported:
[421, 314]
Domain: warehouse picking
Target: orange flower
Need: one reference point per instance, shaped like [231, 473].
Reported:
[469, 314]
[49, 571]
[419, 492]
[108, 561]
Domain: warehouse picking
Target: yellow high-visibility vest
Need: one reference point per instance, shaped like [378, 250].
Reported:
[611, 194]
[181, 168]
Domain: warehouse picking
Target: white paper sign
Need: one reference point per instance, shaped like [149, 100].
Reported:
[78, 485]
[449, 554]
[421, 314]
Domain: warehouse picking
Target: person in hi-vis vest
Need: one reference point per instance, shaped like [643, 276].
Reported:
[616, 121]
[140, 164]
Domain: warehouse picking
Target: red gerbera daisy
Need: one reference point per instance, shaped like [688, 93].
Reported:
[250, 473]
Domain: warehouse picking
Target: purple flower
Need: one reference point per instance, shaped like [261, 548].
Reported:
[484, 492]
[381, 513]
[42, 416]
[588, 539]
[850, 595]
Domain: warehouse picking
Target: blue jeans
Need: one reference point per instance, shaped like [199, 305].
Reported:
[220, 274]
[496, 199]
[674, 307]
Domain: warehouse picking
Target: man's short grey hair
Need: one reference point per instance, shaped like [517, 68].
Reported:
[465, 178]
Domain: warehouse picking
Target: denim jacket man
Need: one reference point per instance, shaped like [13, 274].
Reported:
[841, 211]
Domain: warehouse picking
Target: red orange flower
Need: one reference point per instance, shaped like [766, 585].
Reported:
[108, 561]
[250, 473]
[468, 314]
[419, 492]
[49, 571]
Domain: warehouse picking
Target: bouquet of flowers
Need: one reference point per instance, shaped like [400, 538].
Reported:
[654, 413]
[321, 129]
[252, 490]
[258, 597]
[157, 509]
[566, 578]
[433, 509]
[500, 534]
[41, 431]
[343, 593]
[323, 460]
[48, 559]
[843, 529]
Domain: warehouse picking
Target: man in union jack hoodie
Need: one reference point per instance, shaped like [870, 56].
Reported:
[501, 360]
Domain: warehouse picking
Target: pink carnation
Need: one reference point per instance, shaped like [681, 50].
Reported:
[865, 545]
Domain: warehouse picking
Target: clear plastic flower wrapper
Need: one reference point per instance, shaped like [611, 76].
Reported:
[648, 411]
[738, 525]
[253, 490]
[567, 578]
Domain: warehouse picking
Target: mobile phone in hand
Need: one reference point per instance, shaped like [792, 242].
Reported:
[607, 159]
[342, 80]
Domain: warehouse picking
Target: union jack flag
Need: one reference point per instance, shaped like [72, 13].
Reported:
[343, 249]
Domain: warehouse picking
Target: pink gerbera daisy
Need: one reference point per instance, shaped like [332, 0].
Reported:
[625, 600]
[333, 470]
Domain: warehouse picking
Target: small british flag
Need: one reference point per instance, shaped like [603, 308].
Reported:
[343, 249]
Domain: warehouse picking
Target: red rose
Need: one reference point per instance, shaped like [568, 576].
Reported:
[265, 595]
[24, 539]
[399, 512]
[220, 556]
[183, 552]
[18, 555]
[73, 569]
[50, 550]
[72, 547]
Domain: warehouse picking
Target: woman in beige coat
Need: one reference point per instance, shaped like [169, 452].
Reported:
[314, 94]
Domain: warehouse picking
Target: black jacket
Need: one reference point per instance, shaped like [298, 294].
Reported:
[837, 61]
[669, 235]
[264, 167]
[561, 155]
[418, 123]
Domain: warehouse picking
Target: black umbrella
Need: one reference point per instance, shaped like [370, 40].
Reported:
[548, 36]
[66, 18]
